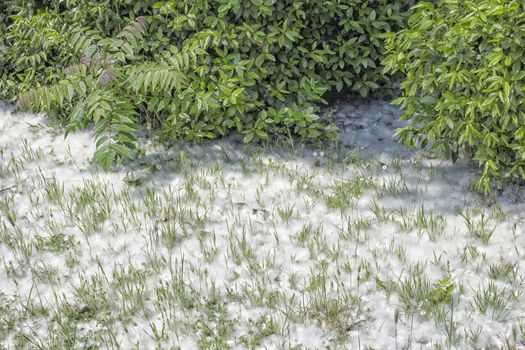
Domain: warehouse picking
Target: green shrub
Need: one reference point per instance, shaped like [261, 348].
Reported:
[34, 46]
[32, 53]
[464, 86]
[102, 89]
[258, 66]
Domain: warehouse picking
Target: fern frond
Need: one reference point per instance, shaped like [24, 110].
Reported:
[83, 42]
[133, 32]
[200, 41]
[187, 59]
[77, 118]
[154, 78]
[75, 69]
[32, 60]
[107, 76]
[46, 97]
[26, 101]
[95, 62]
[115, 123]
[183, 61]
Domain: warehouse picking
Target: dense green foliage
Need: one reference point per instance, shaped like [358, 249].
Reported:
[195, 69]
[465, 82]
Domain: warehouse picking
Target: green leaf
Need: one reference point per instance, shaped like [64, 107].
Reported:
[261, 134]
[248, 136]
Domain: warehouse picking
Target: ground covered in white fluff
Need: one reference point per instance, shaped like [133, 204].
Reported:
[362, 245]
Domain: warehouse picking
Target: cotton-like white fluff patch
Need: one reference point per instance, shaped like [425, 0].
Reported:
[271, 249]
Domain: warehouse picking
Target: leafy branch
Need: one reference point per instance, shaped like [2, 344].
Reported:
[103, 87]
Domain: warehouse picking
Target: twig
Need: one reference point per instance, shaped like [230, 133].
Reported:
[5, 189]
